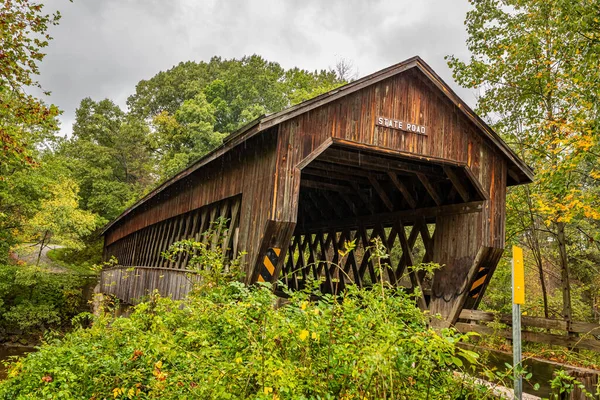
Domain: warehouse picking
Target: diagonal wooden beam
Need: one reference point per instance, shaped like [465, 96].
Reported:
[412, 238]
[315, 202]
[514, 175]
[384, 164]
[464, 293]
[306, 204]
[430, 188]
[329, 173]
[366, 201]
[458, 184]
[386, 200]
[335, 207]
[402, 189]
[344, 170]
[350, 203]
[407, 254]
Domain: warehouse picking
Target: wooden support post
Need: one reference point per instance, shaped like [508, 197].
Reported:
[273, 249]
[407, 254]
[460, 250]
[457, 305]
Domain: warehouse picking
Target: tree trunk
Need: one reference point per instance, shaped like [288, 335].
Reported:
[42, 245]
[539, 263]
[564, 276]
[534, 245]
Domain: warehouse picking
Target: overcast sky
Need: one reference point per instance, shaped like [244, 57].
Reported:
[102, 48]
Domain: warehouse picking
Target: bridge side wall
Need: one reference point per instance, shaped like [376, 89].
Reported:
[247, 170]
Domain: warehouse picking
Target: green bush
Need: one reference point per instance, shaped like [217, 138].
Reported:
[33, 299]
[231, 342]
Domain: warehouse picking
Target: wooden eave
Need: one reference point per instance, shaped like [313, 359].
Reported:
[519, 172]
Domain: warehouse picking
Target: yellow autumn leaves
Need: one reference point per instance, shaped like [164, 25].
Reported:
[304, 334]
[129, 393]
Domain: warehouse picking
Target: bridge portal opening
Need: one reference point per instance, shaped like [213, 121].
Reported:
[359, 196]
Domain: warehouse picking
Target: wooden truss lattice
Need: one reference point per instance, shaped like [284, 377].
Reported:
[317, 256]
[144, 247]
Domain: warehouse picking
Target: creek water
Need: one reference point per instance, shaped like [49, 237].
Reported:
[7, 353]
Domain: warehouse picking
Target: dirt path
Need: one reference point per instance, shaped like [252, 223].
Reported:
[28, 253]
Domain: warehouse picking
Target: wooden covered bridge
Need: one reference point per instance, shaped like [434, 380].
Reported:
[395, 155]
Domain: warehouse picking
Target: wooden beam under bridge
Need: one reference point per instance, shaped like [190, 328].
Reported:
[406, 216]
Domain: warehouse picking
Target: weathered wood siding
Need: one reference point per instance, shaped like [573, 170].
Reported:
[246, 170]
[450, 136]
[133, 284]
[407, 97]
[145, 247]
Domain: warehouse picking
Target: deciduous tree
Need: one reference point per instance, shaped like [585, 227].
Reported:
[536, 74]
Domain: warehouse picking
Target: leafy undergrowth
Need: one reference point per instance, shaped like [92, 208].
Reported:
[230, 342]
[33, 301]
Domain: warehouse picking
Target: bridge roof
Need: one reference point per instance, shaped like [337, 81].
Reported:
[520, 171]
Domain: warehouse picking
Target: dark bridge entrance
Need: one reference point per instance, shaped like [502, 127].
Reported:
[395, 156]
[351, 193]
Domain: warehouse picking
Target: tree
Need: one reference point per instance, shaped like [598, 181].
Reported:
[184, 137]
[239, 90]
[536, 73]
[60, 218]
[109, 157]
[24, 120]
[20, 196]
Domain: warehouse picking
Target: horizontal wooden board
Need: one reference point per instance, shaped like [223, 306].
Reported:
[535, 337]
[534, 322]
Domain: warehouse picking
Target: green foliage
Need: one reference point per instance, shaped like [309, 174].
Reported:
[33, 299]
[24, 120]
[536, 65]
[109, 156]
[60, 217]
[238, 90]
[80, 261]
[185, 136]
[21, 196]
[229, 341]
[563, 384]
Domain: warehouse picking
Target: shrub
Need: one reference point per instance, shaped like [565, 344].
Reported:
[229, 342]
[33, 299]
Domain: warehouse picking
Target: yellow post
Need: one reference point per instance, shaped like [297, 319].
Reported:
[518, 276]
[518, 289]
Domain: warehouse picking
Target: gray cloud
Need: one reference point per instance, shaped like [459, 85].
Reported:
[102, 48]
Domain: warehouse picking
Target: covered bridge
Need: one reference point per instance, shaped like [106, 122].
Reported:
[395, 155]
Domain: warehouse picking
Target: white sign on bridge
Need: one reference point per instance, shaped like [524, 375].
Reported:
[400, 125]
